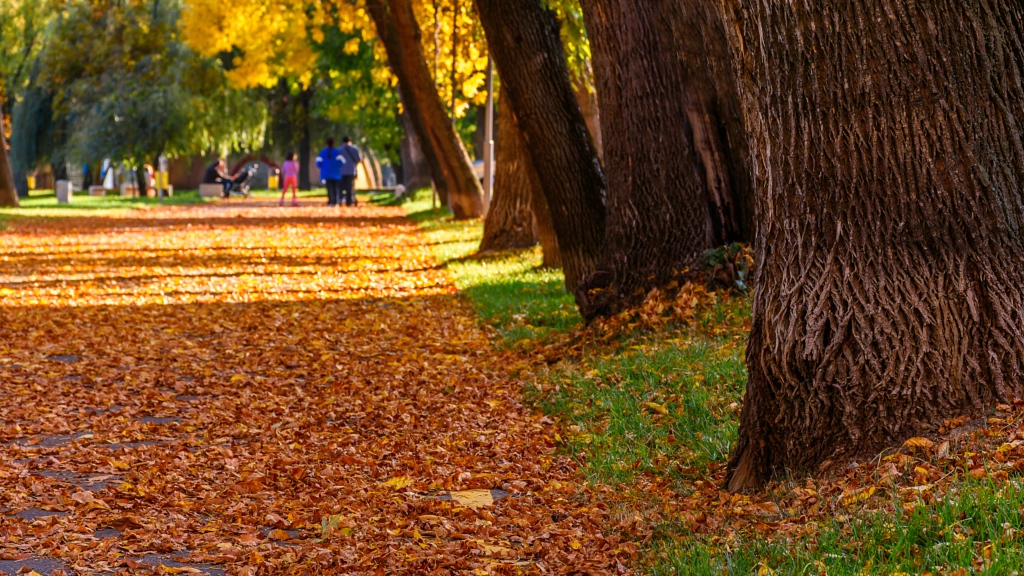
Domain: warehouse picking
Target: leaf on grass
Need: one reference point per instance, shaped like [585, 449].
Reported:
[860, 495]
[655, 407]
[919, 442]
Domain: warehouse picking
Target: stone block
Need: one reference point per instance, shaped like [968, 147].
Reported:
[211, 190]
[65, 191]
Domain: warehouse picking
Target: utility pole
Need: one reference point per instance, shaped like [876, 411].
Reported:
[489, 138]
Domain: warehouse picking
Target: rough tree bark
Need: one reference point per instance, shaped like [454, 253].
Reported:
[8, 194]
[446, 154]
[524, 40]
[509, 222]
[415, 169]
[694, 34]
[657, 196]
[889, 248]
[519, 215]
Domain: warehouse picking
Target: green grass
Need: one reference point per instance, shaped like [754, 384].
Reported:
[44, 202]
[977, 528]
[510, 290]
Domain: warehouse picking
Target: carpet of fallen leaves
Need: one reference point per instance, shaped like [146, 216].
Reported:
[242, 389]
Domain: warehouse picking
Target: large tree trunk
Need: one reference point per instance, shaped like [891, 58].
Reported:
[657, 197]
[524, 40]
[694, 33]
[8, 195]
[889, 249]
[446, 154]
[519, 214]
[509, 222]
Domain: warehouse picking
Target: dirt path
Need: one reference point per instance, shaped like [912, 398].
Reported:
[244, 389]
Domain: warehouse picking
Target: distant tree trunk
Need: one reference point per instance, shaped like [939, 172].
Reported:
[524, 39]
[8, 195]
[545, 226]
[890, 251]
[446, 154]
[509, 222]
[415, 169]
[305, 141]
[658, 220]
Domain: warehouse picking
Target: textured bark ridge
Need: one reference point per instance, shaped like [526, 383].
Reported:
[449, 162]
[694, 34]
[524, 39]
[889, 248]
[519, 205]
[510, 222]
[657, 194]
[8, 195]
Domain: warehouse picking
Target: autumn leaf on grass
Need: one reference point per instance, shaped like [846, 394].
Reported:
[918, 442]
[399, 482]
[655, 407]
[854, 496]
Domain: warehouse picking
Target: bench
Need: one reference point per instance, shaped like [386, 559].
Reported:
[211, 190]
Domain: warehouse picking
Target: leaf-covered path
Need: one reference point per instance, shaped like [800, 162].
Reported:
[243, 389]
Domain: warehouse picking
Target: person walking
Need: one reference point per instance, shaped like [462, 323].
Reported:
[290, 171]
[349, 170]
[330, 162]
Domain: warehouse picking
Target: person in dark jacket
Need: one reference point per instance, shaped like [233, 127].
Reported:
[216, 173]
[330, 162]
[349, 171]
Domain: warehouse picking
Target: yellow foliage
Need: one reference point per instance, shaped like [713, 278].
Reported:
[270, 37]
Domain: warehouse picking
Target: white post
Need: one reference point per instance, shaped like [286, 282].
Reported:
[489, 138]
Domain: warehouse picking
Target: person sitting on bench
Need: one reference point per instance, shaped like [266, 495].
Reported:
[216, 173]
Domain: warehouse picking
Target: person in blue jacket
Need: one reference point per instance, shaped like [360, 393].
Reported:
[349, 171]
[330, 162]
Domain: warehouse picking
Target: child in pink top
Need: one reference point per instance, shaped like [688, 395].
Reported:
[290, 171]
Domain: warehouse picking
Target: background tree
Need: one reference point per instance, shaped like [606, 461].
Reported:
[453, 175]
[694, 35]
[510, 219]
[657, 196]
[526, 209]
[8, 195]
[888, 259]
[268, 44]
[524, 40]
[359, 91]
[23, 24]
[131, 91]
